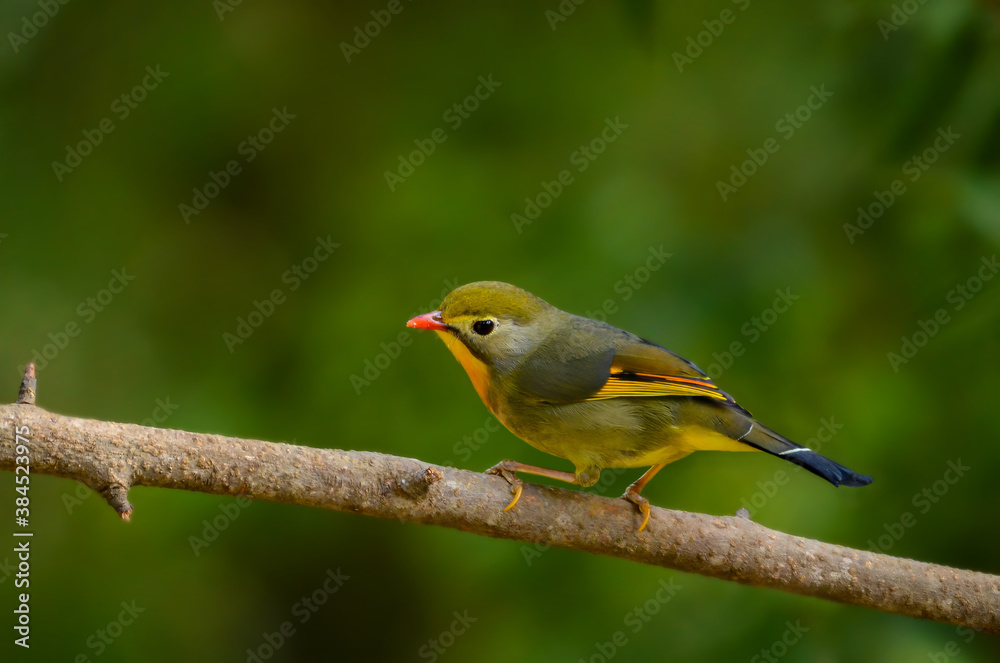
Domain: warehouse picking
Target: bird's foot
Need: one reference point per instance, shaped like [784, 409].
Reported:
[641, 502]
[507, 469]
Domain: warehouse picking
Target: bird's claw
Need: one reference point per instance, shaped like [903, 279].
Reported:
[504, 469]
[517, 489]
[642, 504]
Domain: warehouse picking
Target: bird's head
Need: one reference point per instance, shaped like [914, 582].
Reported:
[497, 323]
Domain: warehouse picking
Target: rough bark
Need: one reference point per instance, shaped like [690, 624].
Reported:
[111, 458]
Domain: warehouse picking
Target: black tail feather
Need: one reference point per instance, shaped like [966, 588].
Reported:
[822, 466]
[767, 440]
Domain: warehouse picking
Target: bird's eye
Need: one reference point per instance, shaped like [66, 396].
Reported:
[483, 327]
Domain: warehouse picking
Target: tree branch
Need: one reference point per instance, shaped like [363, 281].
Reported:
[110, 458]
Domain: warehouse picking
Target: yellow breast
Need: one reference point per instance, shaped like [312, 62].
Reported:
[477, 370]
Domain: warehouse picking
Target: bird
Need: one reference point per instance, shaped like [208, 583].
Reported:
[596, 395]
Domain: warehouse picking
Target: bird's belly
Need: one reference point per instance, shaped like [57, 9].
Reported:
[616, 432]
[606, 433]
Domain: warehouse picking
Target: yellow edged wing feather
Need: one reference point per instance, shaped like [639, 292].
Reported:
[638, 384]
[647, 370]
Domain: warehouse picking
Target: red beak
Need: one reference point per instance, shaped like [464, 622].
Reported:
[430, 320]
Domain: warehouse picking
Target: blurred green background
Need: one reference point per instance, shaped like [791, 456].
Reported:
[327, 130]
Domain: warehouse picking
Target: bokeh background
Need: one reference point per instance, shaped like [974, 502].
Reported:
[893, 80]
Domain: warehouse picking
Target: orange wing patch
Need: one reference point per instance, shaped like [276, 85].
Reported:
[625, 384]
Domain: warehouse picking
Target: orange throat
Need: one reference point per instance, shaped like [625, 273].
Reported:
[476, 369]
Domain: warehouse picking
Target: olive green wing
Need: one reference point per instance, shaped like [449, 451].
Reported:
[559, 378]
[582, 366]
